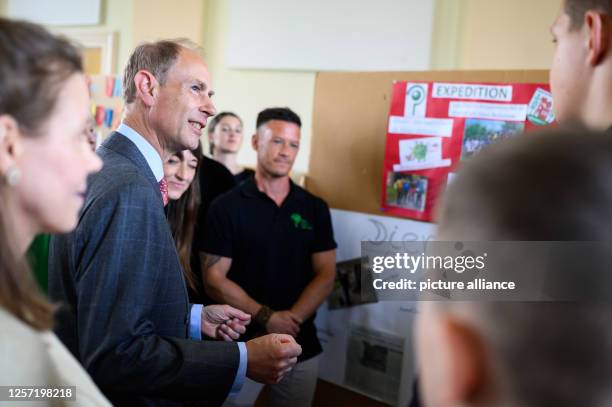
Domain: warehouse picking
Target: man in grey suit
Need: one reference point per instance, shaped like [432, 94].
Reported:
[125, 313]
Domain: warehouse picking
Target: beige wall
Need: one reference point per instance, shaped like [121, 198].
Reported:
[493, 34]
[507, 34]
[119, 16]
[168, 19]
[246, 92]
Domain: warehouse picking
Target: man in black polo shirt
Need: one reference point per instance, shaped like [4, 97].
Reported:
[270, 252]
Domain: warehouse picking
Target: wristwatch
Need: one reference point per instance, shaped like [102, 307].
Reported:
[263, 315]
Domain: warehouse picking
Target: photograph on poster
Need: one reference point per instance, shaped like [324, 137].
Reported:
[348, 286]
[478, 134]
[420, 154]
[374, 363]
[406, 191]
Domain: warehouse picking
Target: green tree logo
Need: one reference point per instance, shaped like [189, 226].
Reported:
[299, 222]
[419, 151]
[296, 218]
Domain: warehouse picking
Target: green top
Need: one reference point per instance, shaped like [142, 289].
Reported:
[38, 257]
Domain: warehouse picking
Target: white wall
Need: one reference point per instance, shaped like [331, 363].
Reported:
[339, 35]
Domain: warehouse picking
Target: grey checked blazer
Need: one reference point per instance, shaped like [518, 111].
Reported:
[125, 311]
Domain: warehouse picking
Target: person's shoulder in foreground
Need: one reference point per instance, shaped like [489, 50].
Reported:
[55, 365]
[553, 349]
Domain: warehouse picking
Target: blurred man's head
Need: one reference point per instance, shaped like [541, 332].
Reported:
[545, 187]
[277, 141]
[580, 74]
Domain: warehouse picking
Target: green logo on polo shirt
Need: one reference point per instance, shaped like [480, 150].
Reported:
[299, 222]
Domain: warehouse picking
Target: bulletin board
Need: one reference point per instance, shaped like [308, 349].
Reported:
[350, 133]
[350, 122]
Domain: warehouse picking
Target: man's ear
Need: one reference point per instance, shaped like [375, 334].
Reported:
[255, 141]
[598, 39]
[10, 143]
[463, 357]
[146, 87]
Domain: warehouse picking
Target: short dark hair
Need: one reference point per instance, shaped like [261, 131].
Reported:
[156, 57]
[539, 187]
[278, 113]
[575, 9]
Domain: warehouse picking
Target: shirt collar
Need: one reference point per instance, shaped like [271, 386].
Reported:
[249, 189]
[146, 149]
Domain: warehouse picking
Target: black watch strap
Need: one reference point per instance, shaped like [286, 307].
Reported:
[263, 315]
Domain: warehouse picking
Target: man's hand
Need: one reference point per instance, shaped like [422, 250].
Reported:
[284, 322]
[224, 322]
[271, 357]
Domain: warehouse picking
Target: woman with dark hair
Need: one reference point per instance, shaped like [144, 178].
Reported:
[225, 139]
[179, 171]
[44, 163]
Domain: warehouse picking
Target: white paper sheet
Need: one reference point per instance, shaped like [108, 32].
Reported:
[421, 126]
[493, 111]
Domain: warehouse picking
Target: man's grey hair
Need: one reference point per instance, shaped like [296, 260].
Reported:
[156, 57]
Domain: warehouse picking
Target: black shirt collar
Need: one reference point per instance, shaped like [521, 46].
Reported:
[250, 190]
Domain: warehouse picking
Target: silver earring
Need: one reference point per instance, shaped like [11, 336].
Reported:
[13, 176]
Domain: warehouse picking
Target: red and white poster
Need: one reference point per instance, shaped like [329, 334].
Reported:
[433, 126]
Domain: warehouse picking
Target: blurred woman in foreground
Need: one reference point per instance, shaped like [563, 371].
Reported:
[44, 163]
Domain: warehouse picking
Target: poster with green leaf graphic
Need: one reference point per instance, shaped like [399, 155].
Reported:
[433, 126]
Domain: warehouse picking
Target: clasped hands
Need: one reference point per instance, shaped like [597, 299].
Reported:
[284, 322]
[270, 357]
[228, 323]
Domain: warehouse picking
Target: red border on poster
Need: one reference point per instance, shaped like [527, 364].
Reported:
[411, 190]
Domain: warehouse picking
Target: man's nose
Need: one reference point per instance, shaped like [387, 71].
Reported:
[285, 150]
[208, 106]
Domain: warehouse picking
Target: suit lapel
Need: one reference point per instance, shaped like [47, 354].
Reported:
[123, 146]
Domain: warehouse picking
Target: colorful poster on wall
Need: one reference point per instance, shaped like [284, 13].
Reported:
[434, 126]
